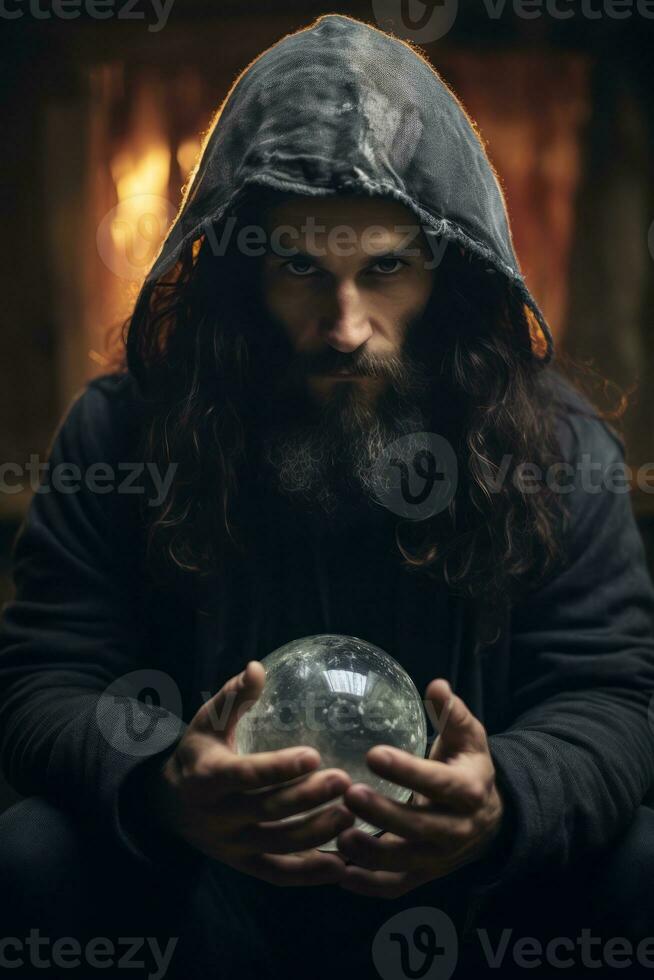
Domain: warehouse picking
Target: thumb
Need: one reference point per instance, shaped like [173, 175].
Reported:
[220, 714]
[458, 729]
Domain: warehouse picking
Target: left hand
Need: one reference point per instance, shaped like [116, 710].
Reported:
[455, 811]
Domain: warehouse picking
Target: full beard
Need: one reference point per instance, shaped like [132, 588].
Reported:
[321, 457]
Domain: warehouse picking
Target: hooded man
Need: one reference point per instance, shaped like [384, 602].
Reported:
[340, 409]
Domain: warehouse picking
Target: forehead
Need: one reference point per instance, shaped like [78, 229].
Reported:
[330, 212]
[380, 222]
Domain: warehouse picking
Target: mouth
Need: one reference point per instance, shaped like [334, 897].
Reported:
[341, 373]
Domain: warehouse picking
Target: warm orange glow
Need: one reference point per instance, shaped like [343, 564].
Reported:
[138, 180]
[187, 154]
[147, 174]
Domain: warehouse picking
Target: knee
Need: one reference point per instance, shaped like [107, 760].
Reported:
[37, 840]
[623, 878]
[41, 859]
[632, 854]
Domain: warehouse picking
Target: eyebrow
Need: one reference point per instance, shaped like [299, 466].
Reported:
[397, 251]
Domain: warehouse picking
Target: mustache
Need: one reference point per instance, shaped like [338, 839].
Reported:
[330, 359]
[363, 363]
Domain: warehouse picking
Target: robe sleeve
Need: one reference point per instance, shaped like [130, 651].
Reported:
[73, 629]
[577, 758]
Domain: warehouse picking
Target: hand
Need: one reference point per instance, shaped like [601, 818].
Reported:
[228, 805]
[451, 819]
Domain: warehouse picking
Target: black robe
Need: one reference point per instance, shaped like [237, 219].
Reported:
[564, 692]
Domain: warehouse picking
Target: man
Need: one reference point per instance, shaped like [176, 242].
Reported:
[339, 284]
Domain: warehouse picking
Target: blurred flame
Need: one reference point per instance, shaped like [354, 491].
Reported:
[141, 172]
[147, 174]
[187, 154]
[137, 178]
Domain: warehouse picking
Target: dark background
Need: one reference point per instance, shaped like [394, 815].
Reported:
[563, 104]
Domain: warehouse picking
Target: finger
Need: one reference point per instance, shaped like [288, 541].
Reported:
[296, 870]
[275, 803]
[224, 773]
[417, 824]
[380, 884]
[459, 730]
[221, 713]
[306, 831]
[454, 787]
[386, 853]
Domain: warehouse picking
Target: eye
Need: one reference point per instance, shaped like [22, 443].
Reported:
[302, 268]
[396, 265]
[306, 267]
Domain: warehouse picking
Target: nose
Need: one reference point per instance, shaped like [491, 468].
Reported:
[350, 326]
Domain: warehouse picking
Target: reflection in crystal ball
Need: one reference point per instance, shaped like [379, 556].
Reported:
[339, 695]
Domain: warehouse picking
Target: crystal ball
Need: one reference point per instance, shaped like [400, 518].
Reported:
[340, 695]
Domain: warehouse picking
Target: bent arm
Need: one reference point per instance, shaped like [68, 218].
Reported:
[72, 630]
[578, 757]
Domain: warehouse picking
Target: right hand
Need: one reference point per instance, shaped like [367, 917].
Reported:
[223, 803]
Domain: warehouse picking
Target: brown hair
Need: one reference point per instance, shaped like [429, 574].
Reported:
[189, 345]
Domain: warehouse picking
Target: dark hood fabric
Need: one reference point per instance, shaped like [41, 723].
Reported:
[342, 107]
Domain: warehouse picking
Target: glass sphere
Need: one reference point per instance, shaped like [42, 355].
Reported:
[339, 695]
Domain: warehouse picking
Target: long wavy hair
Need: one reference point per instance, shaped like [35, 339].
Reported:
[189, 343]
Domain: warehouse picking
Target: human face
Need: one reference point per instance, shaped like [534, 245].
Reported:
[338, 307]
[345, 278]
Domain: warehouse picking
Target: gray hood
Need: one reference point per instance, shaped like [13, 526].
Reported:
[342, 107]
